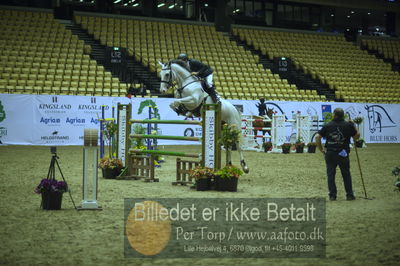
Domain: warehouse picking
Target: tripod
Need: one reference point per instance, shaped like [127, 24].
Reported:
[52, 173]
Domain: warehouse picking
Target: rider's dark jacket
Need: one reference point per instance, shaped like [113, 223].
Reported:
[202, 69]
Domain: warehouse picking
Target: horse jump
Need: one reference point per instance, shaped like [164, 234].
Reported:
[142, 167]
[211, 154]
[183, 168]
[301, 123]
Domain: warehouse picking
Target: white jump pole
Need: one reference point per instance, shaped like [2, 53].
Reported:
[90, 155]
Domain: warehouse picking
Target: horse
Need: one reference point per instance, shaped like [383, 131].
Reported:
[190, 96]
[259, 125]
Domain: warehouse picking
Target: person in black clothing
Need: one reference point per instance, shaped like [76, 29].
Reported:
[204, 72]
[337, 134]
[262, 107]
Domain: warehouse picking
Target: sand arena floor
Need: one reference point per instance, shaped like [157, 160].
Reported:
[361, 232]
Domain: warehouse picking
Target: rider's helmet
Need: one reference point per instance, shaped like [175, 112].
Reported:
[183, 57]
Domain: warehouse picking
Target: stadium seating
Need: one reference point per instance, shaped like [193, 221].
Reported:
[238, 74]
[387, 47]
[353, 73]
[40, 56]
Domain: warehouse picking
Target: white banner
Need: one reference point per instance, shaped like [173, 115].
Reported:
[60, 120]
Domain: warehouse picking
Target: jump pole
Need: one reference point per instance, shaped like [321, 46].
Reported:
[143, 136]
[170, 153]
[176, 122]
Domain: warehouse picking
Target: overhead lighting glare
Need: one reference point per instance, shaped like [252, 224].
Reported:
[161, 5]
[135, 4]
[117, 1]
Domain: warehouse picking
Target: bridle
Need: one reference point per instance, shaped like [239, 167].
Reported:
[169, 82]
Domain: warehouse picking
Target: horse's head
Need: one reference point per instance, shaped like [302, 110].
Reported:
[270, 112]
[371, 118]
[166, 77]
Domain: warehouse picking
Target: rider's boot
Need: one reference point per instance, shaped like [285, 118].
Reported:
[214, 95]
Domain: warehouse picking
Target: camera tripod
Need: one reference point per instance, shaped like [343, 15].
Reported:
[52, 173]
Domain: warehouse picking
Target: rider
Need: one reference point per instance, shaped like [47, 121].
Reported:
[262, 107]
[204, 72]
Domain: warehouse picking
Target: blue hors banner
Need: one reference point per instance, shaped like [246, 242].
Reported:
[60, 120]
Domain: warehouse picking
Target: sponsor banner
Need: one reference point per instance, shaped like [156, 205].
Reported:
[225, 228]
[60, 120]
[16, 115]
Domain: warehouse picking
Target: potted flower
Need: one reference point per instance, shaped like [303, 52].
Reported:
[396, 173]
[286, 147]
[299, 145]
[111, 167]
[359, 143]
[203, 177]
[267, 146]
[311, 147]
[226, 178]
[51, 191]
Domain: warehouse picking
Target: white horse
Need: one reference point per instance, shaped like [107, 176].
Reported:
[190, 97]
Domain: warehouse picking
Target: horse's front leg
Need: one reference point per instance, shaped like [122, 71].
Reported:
[186, 101]
[174, 105]
[242, 161]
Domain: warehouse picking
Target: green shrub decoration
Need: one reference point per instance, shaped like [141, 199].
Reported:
[230, 135]
[229, 171]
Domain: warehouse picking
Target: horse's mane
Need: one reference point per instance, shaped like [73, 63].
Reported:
[180, 63]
